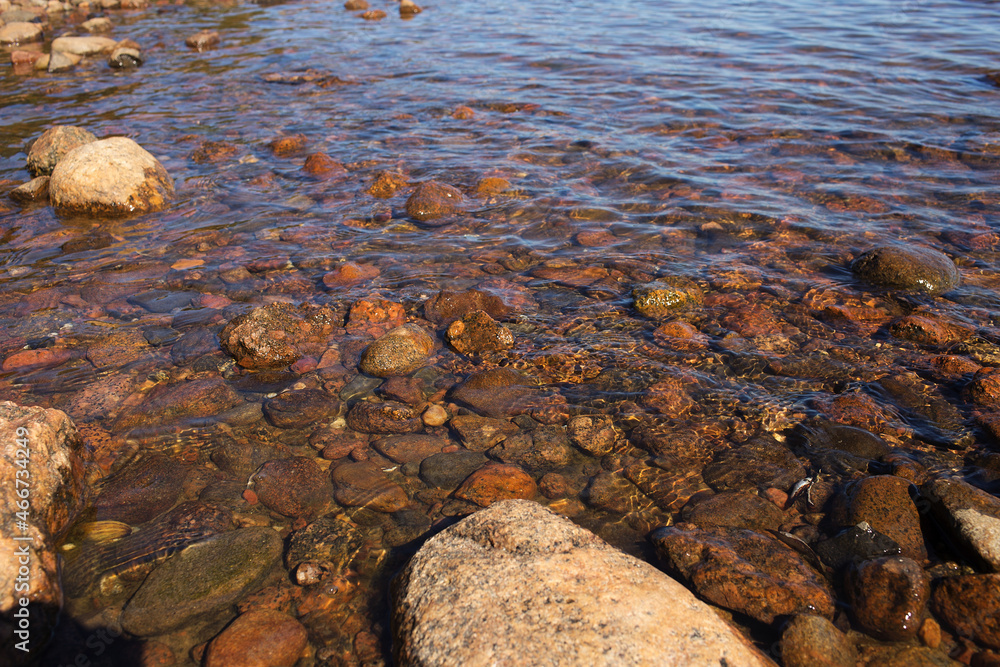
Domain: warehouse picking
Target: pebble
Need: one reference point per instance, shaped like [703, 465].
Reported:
[399, 352]
[495, 482]
[383, 417]
[363, 484]
[970, 605]
[814, 641]
[112, 176]
[489, 186]
[261, 339]
[289, 145]
[478, 332]
[294, 487]
[84, 46]
[760, 462]
[141, 491]
[301, 408]
[329, 542]
[409, 448]
[203, 40]
[663, 298]
[736, 509]
[408, 8]
[435, 415]
[888, 597]
[374, 15]
[432, 200]
[97, 24]
[482, 433]
[162, 301]
[387, 183]
[20, 32]
[30, 360]
[356, 5]
[205, 397]
[744, 571]
[596, 435]
[446, 306]
[322, 166]
[258, 638]
[53, 144]
[907, 267]
[498, 392]
[201, 582]
[855, 544]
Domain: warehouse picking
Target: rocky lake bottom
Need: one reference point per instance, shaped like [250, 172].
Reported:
[333, 335]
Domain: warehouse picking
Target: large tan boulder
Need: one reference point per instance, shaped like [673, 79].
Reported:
[113, 176]
[516, 584]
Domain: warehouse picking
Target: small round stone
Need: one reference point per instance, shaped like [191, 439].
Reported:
[908, 268]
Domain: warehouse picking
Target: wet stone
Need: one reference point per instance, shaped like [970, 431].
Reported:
[432, 200]
[387, 182]
[827, 441]
[482, 433]
[383, 417]
[410, 448]
[202, 582]
[666, 296]
[241, 460]
[760, 462]
[971, 516]
[445, 307]
[596, 435]
[495, 482]
[970, 605]
[335, 443]
[95, 240]
[193, 345]
[195, 398]
[908, 268]
[884, 502]
[744, 571]
[35, 190]
[203, 40]
[735, 509]
[399, 352]
[258, 638]
[543, 448]
[293, 487]
[813, 641]
[478, 332]
[20, 32]
[610, 492]
[141, 491]
[364, 484]
[498, 392]
[162, 301]
[328, 541]
[301, 408]
[158, 336]
[405, 390]
[448, 470]
[349, 274]
[262, 337]
[855, 544]
[888, 596]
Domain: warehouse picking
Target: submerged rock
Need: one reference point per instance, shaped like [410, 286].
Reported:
[293, 487]
[113, 177]
[202, 582]
[970, 514]
[478, 332]
[20, 32]
[814, 641]
[258, 638]
[402, 350]
[909, 268]
[970, 604]
[433, 200]
[53, 144]
[262, 338]
[517, 584]
[888, 597]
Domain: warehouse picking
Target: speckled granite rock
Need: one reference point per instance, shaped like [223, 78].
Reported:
[516, 584]
[972, 515]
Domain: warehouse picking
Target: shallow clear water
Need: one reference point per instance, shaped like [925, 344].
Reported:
[754, 148]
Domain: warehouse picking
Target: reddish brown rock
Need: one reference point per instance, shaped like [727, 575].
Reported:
[405, 390]
[496, 482]
[410, 448]
[258, 638]
[514, 582]
[480, 433]
[736, 509]
[35, 190]
[214, 151]
[571, 276]
[478, 332]
[363, 484]
[888, 597]
[142, 490]
[594, 434]
[463, 112]
[498, 392]
[385, 417]
[856, 409]
[290, 145]
[196, 398]
[433, 200]
[374, 15]
[669, 396]
[295, 487]
[335, 443]
[907, 267]
[446, 307]
[203, 40]
[927, 329]
[490, 186]
[322, 166]
[366, 312]
[970, 605]
[760, 462]
[884, 502]
[300, 408]
[112, 177]
[387, 183]
[399, 352]
[744, 571]
[349, 274]
[661, 299]
[814, 641]
[408, 8]
[29, 360]
[263, 338]
[985, 389]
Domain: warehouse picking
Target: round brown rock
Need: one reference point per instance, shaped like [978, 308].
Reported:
[478, 332]
[884, 502]
[813, 641]
[363, 484]
[402, 350]
[738, 509]
[496, 482]
[293, 487]
[970, 604]
[110, 177]
[258, 638]
[20, 32]
[54, 143]
[433, 200]
[909, 268]
[296, 409]
[385, 417]
[260, 339]
[888, 597]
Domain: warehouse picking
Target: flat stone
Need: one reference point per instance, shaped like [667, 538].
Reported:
[496, 482]
[448, 470]
[884, 502]
[258, 638]
[970, 605]
[855, 544]
[760, 462]
[736, 509]
[481, 433]
[445, 307]
[195, 398]
[971, 515]
[498, 392]
[363, 484]
[514, 583]
[142, 490]
[907, 267]
[20, 32]
[384, 417]
[301, 408]
[478, 332]
[202, 581]
[162, 301]
[596, 435]
[744, 571]
[294, 487]
[35, 190]
[410, 448]
[666, 296]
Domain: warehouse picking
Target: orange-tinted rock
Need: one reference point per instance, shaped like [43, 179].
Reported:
[907, 267]
[258, 638]
[446, 307]
[600, 238]
[408, 8]
[735, 509]
[669, 397]
[404, 389]
[970, 605]
[386, 417]
[262, 338]
[813, 641]
[142, 490]
[478, 332]
[195, 398]
[498, 392]
[480, 433]
[410, 448]
[29, 360]
[53, 144]
[856, 409]
[203, 40]
[887, 597]
[495, 482]
[744, 571]
[760, 462]
[432, 200]
[462, 112]
[386, 184]
[374, 15]
[953, 366]
[985, 389]
[884, 502]
[662, 298]
[285, 146]
[214, 151]
[363, 484]
[321, 165]
[400, 351]
[375, 311]
[300, 408]
[492, 186]
[927, 330]
[295, 487]
[571, 276]
[594, 434]
[356, 5]
[336, 443]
